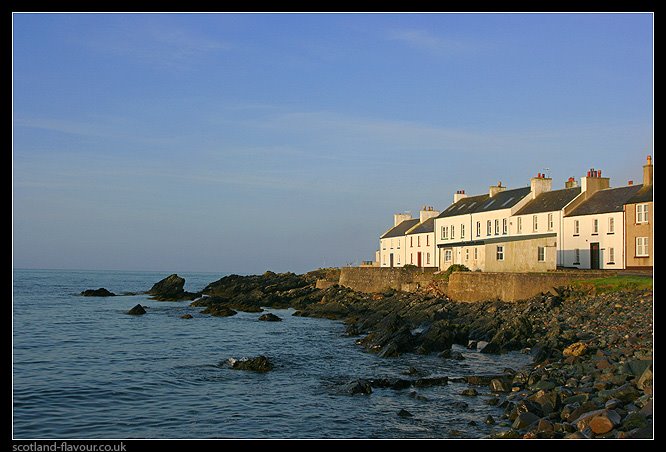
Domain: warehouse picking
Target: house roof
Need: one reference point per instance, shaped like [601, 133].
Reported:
[426, 226]
[550, 201]
[607, 200]
[499, 239]
[484, 203]
[643, 195]
[400, 229]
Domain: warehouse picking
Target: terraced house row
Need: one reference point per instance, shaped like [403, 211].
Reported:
[534, 228]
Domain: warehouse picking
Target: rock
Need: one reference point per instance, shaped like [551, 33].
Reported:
[493, 401]
[404, 413]
[359, 386]
[186, 316]
[137, 310]
[449, 354]
[417, 396]
[412, 371]
[101, 292]
[612, 404]
[634, 421]
[645, 380]
[506, 434]
[259, 363]
[472, 345]
[470, 392]
[217, 310]
[462, 406]
[545, 426]
[490, 420]
[480, 345]
[482, 380]
[499, 385]
[575, 349]
[431, 381]
[604, 422]
[171, 289]
[268, 317]
[636, 367]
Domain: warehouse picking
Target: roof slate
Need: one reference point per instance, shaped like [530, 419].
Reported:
[607, 200]
[550, 201]
[426, 226]
[400, 229]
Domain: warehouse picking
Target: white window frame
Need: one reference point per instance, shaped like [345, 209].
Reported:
[497, 227]
[462, 231]
[478, 229]
[427, 258]
[453, 232]
[505, 226]
[447, 255]
[541, 254]
[641, 213]
[519, 225]
[611, 225]
[535, 223]
[466, 254]
[642, 247]
[550, 222]
[577, 256]
[499, 252]
[576, 227]
[489, 228]
[476, 253]
[595, 226]
[611, 255]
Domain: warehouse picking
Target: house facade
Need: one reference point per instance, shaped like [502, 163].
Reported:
[392, 242]
[420, 241]
[639, 224]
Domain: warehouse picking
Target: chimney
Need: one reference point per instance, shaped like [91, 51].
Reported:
[593, 182]
[570, 183]
[459, 194]
[648, 169]
[426, 213]
[494, 189]
[630, 182]
[400, 217]
[540, 184]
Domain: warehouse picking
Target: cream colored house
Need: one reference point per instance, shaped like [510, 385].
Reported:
[420, 240]
[392, 242]
[594, 224]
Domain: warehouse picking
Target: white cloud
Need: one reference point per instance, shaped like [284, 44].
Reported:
[426, 41]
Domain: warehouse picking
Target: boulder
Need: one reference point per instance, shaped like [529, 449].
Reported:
[449, 354]
[500, 385]
[219, 311]
[259, 363]
[359, 386]
[404, 413]
[186, 316]
[524, 420]
[268, 317]
[470, 392]
[171, 289]
[101, 292]
[575, 349]
[137, 310]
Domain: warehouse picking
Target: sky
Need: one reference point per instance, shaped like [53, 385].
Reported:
[241, 143]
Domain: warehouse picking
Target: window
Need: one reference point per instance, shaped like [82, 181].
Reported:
[398, 259]
[447, 255]
[641, 213]
[519, 225]
[595, 226]
[576, 227]
[466, 254]
[505, 226]
[535, 223]
[489, 228]
[541, 253]
[642, 247]
[383, 245]
[428, 258]
[611, 255]
[550, 221]
[453, 232]
[462, 231]
[476, 253]
[442, 233]
[411, 242]
[427, 240]
[577, 256]
[411, 258]
[611, 225]
[399, 243]
[478, 229]
[496, 227]
[418, 240]
[500, 252]
[391, 243]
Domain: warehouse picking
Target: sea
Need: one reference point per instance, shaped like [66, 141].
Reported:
[85, 369]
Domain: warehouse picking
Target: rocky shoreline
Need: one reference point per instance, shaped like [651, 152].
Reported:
[591, 375]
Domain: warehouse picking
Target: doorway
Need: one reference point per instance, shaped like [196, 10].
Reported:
[391, 260]
[418, 259]
[594, 256]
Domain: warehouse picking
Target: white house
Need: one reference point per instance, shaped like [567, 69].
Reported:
[420, 240]
[594, 228]
[392, 242]
[544, 213]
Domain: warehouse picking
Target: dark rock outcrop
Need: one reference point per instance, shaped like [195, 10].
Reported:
[186, 316]
[101, 292]
[219, 311]
[268, 317]
[259, 363]
[171, 289]
[137, 310]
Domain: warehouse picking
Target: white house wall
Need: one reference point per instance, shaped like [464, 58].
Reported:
[395, 246]
[423, 243]
[586, 236]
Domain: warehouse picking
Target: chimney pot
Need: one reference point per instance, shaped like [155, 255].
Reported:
[631, 182]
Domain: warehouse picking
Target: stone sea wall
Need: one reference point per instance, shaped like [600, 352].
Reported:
[376, 280]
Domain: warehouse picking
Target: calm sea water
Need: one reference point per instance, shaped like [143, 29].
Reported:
[82, 368]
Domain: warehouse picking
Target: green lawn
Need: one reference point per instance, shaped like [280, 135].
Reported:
[614, 283]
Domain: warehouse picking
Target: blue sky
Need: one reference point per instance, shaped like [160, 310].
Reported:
[247, 142]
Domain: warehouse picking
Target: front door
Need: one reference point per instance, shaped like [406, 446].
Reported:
[418, 259]
[391, 259]
[594, 256]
